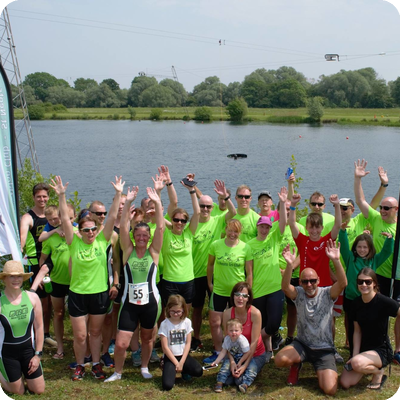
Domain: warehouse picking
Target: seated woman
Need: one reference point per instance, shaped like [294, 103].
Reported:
[246, 370]
[371, 345]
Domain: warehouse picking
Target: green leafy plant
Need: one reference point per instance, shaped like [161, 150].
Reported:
[156, 114]
[203, 114]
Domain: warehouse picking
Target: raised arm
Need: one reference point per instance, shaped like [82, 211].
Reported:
[194, 221]
[173, 198]
[220, 189]
[290, 258]
[282, 209]
[112, 215]
[157, 241]
[125, 240]
[334, 199]
[333, 253]
[359, 173]
[292, 215]
[376, 200]
[291, 182]
[159, 184]
[60, 190]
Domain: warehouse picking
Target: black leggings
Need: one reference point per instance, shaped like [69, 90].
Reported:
[271, 308]
[191, 367]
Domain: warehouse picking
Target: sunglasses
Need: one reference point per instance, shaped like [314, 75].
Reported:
[368, 282]
[386, 208]
[180, 312]
[244, 196]
[86, 230]
[244, 295]
[99, 213]
[307, 281]
[206, 206]
[183, 221]
[344, 208]
[317, 204]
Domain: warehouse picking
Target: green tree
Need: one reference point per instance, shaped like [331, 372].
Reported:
[237, 109]
[210, 92]
[156, 113]
[36, 111]
[101, 96]
[315, 108]
[112, 84]
[231, 92]
[139, 85]
[288, 93]
[178, 91]
[83, 84]
[255, 92]
[395, 90]
[40, 82]
[203, 114]
[158, 96]
[69, 97]
[132, 112]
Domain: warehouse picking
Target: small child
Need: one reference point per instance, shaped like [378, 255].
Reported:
[236, 346]
[53, 221]
[175, 334]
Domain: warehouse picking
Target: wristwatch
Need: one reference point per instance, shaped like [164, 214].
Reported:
[39, 354]
[117, 285]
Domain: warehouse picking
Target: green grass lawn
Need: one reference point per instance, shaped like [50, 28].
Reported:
[270, 383]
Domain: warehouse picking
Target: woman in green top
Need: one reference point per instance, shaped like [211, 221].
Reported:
[361, 255]
[88, 299]
[140, 301]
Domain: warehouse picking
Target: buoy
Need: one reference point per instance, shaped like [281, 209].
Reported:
[300, 136]
[202, 122]
[347, 137]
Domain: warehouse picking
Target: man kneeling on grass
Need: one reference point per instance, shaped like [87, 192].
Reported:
[314, 342]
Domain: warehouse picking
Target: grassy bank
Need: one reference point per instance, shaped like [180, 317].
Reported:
[270, 384]
[344, 116]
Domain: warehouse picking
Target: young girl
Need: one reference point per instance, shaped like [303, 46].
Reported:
[361, 255]
[175, 334]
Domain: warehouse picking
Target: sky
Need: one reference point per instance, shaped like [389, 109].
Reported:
[100, 39]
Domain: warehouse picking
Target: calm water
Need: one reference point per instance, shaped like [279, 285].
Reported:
[89, 154]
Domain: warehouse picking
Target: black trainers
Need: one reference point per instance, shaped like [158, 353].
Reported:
[277, 340]
[288, 340]
[195, 345]
[97, 372]
[79, 373]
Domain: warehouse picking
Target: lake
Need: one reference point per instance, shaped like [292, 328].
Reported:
[89, 154]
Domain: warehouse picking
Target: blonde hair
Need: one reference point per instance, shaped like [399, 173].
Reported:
[234, 225]
[176, 300]
[234, 322]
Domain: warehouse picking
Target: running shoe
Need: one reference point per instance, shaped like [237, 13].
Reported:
[98, 372]
[50, 341]
[243, 388]
[277, 340]
[154, 357]
[111, 347]
[293, 378]
[79, 373]
[137, 358]
[87, 361]
[218, 387]
[211, 359]
[114, 377]
[289, 340]
[396, 358]
[195, 345]
[107, 360]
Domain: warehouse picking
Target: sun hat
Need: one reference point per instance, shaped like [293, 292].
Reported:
[15, 268]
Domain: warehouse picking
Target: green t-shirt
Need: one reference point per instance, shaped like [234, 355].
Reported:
[59, 250]
[378, 226]
[229, 265]
[216, 211]
[206, 233]
[249, 224]
[355, 227]
[177, 256]
[326, 220]
[89, 265]
[267, 276]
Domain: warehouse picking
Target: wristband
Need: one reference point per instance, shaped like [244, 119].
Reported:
[192, 191]
[386, 185]
[39, 354]
[227, 198]
[292, 208]
[31, 290]
[169, 184]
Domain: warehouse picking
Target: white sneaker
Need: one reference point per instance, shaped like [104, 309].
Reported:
[50, 341]
[114, 377]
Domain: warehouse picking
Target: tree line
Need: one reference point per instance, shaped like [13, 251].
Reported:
[281, 88]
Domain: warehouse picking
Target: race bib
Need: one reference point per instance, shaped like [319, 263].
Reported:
[139, 293]
[177, 336]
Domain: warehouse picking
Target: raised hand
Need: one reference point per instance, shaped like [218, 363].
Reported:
[332, 251]
[359, 168]
[292, 178]
[220, 188]
[387, 234]
[152, 194]
[118, 185]
[383, 176]
[283, 194]
[164, 172]
[159, 182]
[132, 212]
[58, 186]
[132, 194]
[296, 198]
[288, 255]
[343, 225]
[334, 199]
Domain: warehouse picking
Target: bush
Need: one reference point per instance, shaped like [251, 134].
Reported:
[186, 118]
[156, 113]
[116, 117]
[132, 112]
[315, 109]
[60, 107]
[36, 111]
[237, 109]
[203, 114]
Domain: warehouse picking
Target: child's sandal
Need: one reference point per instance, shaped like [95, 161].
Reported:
[218, 387]
[59, 356]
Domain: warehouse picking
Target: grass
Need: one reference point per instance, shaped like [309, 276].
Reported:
[348, 116]
[270, 383]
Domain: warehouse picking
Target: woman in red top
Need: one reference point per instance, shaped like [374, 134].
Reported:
[247, 369]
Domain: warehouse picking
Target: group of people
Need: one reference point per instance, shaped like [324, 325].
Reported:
[134, 272]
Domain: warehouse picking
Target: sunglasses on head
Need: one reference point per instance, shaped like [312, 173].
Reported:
[244, 295]
[307, 281]
[86, 230]
[314, 204]
[368, 282]
[206, 206]
[183, 221]
[386, 208]
[243, 196]
[99, 213]
[344, 208]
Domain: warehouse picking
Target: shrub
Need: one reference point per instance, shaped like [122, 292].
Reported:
[132, 112]
[156, 114]
[36, 111]
[116, 117]
[203, 114]
[237, 109]
[186, 118]
[315, 109]
[60, 107]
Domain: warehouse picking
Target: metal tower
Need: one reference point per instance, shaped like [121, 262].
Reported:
[23, 131]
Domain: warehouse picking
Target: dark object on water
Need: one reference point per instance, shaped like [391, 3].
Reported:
[236, 156]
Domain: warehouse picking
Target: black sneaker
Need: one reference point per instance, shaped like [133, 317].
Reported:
[79, 373]
[195, 345]
[97, 372]
[277, 340]
[288, 340]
